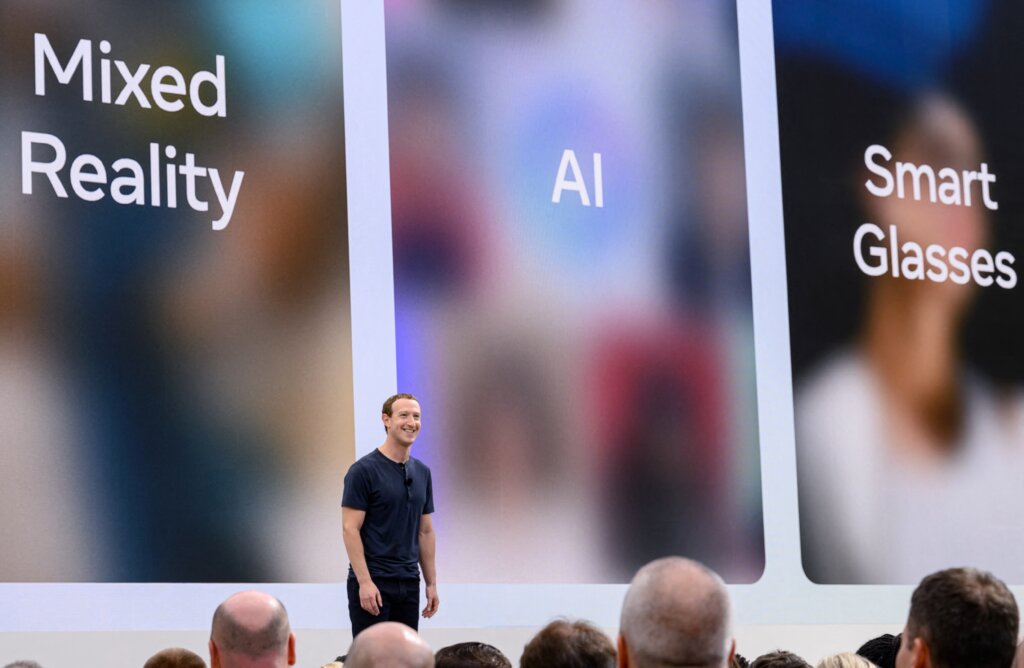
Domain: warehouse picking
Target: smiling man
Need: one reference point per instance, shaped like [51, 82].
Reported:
[389, 535]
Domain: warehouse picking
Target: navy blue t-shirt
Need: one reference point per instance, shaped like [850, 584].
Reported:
[395, 497]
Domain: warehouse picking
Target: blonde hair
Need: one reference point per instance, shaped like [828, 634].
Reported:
[845, 660]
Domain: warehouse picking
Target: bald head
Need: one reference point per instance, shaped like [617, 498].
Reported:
[676, 612]
[389, 645]
[251, 628]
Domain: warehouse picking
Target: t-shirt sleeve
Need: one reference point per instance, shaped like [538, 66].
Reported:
[428, 503]
[357, 489]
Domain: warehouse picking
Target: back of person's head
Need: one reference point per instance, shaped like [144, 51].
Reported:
[251, 628]
[739, 661]
[882, 650]
[471, 655]
[565, 644]
[389, 644]
[962, 617]
[175, 657]
[676, 612]
[779, 659]
[845, 660]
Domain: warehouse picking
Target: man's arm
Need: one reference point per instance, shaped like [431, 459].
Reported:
[427, 551]
[351, 523]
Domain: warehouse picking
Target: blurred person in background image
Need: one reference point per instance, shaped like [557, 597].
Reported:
[250, 629]
[676, 613]
[933, 448]
[960, 618]
[387, 526]
[568, 644]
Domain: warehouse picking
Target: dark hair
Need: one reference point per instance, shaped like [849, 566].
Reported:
[779, 659]
[390, 401]
[739, 661]
[967, 617]
[565, 644]
[471, 655]
[175, 657]
[881, 651]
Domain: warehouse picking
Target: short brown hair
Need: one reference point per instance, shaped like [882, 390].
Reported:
[565, 644]
[966, 616]
[779, 659]
[471, 655]
[175, 657]
[390, 401]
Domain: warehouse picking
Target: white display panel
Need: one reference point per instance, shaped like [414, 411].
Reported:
[783, 594]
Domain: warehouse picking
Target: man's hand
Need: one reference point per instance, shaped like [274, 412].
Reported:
[432, 601]
[369, 598]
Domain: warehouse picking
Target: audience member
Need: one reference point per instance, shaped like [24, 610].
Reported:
[565, 644]
[779, 659]
[739, 661]
[175, 657]
[845, 660]
[250, 630]
[960, 618]
[676, 613]
[1018, 659]
[882, 650]
[471, 655]
[390, 644]
[23, 664]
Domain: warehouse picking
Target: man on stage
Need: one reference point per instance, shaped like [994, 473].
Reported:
[386, 521]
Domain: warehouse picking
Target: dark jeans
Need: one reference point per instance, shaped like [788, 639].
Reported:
[400, 598]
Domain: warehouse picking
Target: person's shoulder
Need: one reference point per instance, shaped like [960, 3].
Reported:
[839, 384]
[367, 462]
[419, 463]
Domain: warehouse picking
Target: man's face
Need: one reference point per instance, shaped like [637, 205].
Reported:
[404, 422]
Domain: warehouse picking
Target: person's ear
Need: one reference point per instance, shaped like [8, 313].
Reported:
[622, 660]
[732, 651]
[921, 654]
[214, 656]
[291, 649]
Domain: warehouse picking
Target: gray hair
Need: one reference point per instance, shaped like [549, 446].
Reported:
[676, 612]
[389, 644]
[231, 635]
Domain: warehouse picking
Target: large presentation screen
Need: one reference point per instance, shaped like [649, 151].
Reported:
[572, 284]
[902, 163]
[175, 400]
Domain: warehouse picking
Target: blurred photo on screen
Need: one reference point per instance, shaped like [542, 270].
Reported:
[572, 284]
[174, 320]
[902, 159]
